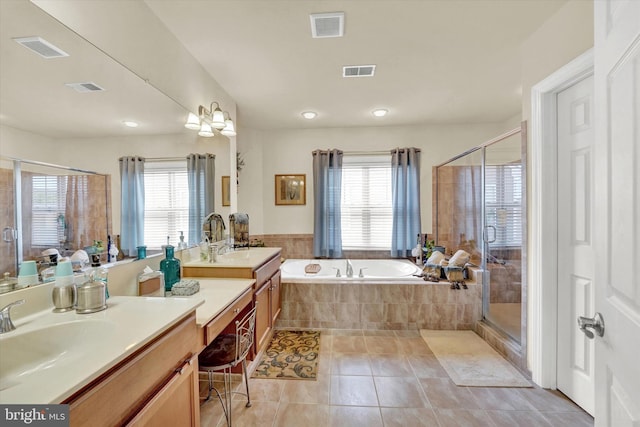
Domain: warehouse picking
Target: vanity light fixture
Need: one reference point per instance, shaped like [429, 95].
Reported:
[205, 130]
[193, 122]
[380, 112]
[209, 119]
[229, 128]
[309, 115]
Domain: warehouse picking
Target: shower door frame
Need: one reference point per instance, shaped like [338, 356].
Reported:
[522, 130]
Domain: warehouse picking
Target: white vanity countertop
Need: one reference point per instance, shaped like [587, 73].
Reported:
[78, 348]
[246, 258]
[217, 294]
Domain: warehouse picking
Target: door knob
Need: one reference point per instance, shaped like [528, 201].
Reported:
[596, 323]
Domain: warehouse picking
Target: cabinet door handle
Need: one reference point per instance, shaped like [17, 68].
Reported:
[184, 364]
[237, 310]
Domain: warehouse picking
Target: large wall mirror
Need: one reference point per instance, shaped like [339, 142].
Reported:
[46, 118]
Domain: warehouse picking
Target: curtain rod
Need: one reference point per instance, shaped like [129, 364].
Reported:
[164, 159]
[366, 153]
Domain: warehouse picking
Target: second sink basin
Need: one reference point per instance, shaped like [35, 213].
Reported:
[57, 346]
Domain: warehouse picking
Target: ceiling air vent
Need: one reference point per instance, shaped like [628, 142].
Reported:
[327, 24]
[85, 87]
[358, 71]
[41, 47]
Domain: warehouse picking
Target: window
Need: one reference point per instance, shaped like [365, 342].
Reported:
[47, 210]
[503, 195]
[366, 202]
[166, 204]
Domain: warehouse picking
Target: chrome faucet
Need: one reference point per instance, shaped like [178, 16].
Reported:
[6, 325]
[349, 269]
[223, 249]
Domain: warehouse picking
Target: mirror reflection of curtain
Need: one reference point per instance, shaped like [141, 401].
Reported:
[405, 190]
[327, 192]
[131, 204]
[77, 206]
[201, 172]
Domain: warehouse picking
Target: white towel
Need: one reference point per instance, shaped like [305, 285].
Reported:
[435, 258]
[459, 259]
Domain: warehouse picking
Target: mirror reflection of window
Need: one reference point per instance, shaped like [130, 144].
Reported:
[48, 195]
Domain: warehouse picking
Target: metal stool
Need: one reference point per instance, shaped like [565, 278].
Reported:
[225, 352]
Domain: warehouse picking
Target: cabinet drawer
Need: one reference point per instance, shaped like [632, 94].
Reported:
[263, 273]
[120, 393]
[176, 404]
[217, 325]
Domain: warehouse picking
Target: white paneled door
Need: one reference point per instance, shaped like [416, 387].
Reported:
[617, 211]
[576, 260]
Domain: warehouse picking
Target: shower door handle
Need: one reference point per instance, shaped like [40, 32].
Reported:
[485, 234]
[8, 234]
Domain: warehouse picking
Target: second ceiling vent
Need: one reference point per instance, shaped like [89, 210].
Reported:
[327, 24]
[358, 71]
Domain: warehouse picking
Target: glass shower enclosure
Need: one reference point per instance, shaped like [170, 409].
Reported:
[481, 208]
[44, 206]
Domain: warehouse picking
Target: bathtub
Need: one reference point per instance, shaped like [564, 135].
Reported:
[387, 297]
[363, 269]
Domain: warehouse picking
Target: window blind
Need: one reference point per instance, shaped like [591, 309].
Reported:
[503, 203]
[166, 204]
[366, 202]
[48, 201]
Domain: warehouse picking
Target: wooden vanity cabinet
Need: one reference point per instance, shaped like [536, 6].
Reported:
[276, 297]
[266, 291]
[263, 313]
[267, 300]
[157, 385]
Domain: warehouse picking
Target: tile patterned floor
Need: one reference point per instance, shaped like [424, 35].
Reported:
[390, 378]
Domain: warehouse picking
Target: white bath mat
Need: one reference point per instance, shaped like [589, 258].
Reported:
[470, 361]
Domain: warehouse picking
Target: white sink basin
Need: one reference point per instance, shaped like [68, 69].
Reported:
[57, 346]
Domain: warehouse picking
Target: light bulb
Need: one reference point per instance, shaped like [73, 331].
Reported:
[193, 122]
[229, 128]
[205, 130]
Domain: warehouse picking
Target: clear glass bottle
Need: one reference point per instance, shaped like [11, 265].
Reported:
[204, 248]
[182, 244]
[102, 274]
[170, 266]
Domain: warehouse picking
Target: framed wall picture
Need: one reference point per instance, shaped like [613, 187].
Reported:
[226, 201]
[291, 190]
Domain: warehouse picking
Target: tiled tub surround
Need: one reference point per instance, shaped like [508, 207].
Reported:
[300, 246]
[408, 303]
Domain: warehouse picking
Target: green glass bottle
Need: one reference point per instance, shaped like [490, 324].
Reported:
[170, 266]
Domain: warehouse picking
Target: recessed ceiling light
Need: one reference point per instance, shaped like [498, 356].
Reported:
[380, 112]
[309, 115]
[129, 123]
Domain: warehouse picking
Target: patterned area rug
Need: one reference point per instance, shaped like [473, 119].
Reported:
[291, 355]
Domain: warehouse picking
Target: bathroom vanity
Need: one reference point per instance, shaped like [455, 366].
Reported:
[260, 264]
[112, 367]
